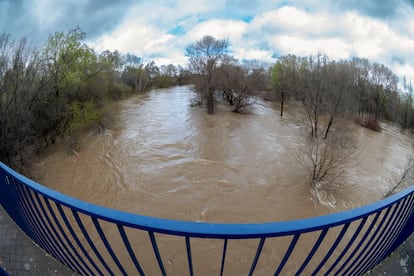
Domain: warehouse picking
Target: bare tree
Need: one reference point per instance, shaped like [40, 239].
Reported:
[405, 178]
[19, 80]
[325, 159]
[204, 56]
[340, 84]
[314, 81]
[239, 83]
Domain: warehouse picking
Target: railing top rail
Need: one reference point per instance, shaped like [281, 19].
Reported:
[207, 229]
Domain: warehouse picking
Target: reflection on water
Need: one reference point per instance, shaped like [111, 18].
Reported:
[163, 158]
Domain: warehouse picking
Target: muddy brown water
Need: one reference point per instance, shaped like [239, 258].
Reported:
[162, 157]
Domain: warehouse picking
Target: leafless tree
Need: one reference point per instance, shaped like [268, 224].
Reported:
[314, 85]
[19, 80]
[204, 57]
[237, 84]
[405, 178]
[339, 101]
[325, 159]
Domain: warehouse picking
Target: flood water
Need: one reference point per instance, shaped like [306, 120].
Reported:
[162, 157]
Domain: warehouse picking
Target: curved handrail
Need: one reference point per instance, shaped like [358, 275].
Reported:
[208, 229]
[377, 229]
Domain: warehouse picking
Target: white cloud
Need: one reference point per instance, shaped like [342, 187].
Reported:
[292, 20]
[220, 29]
[333, 47]
[136, 37]
[282, 30]
[406, 70]
[257, 54]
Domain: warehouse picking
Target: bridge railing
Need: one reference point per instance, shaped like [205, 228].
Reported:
[95, 240]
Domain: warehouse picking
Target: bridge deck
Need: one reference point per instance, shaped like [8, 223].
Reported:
[20, 256]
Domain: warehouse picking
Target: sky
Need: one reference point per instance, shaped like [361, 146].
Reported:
[380, 30]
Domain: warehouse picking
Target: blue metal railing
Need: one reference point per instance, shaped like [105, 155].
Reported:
[96, 240]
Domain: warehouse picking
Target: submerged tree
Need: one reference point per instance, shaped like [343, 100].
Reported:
[285, 78]
[325, 159]
[204, 57]
[237, 83]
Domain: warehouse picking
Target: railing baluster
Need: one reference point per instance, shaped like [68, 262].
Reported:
[157, 252]
[378, 246]
[256, 258]
[68, 241]
[90, 242]
[362, 255]
[288, 253]
[348, 246]
[75, 237]
[364, 237]
[332, 249]
[129, 249]
[31, 232]
[189, 257]
[22, 220]
[313, 251]
[34, 231]
[55, 237]
[394, 230]
[223, 257]
[34, 215]
[107, 245]
[402, 224]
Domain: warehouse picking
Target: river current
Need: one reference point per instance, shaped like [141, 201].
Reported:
[163, 157]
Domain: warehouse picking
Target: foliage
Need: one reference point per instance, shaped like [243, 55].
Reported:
[49, 93]
[82, 115]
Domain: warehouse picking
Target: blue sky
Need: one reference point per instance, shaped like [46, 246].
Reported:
[382, 31]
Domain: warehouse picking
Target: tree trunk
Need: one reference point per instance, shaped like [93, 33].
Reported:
[281, 104]
[210, 103]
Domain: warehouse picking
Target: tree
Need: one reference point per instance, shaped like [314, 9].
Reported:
[285, 79]
[237, 85]
[314, 85]
[325, 159]
[136, 78]
[280, 83]
[340, 83]
[383, 82]
[69, 65]
[19, 80]
[153, 72]
[204, 57]
[406, 104]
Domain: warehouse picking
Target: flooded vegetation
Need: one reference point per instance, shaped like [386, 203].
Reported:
[161, 157]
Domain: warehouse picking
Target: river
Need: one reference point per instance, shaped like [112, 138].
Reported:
[162, 157]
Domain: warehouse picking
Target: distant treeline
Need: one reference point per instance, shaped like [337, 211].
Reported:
[50, 92]
[47, 93]
[338, 89]
[328, 89]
